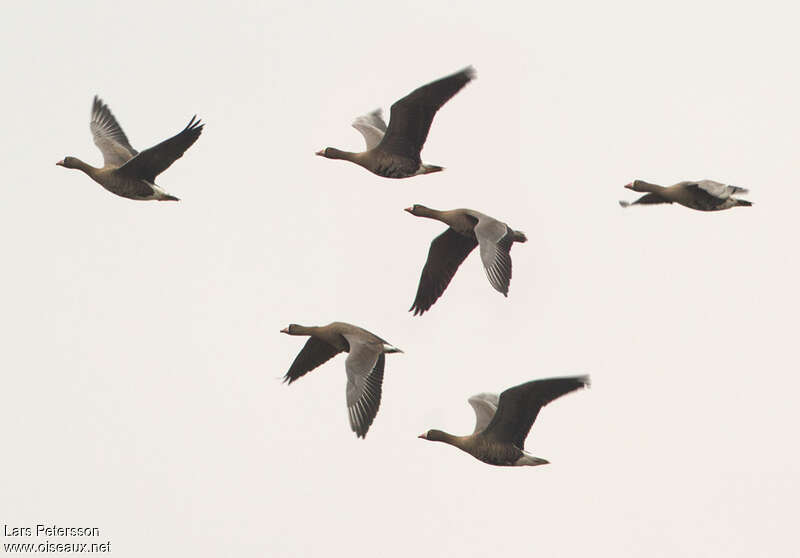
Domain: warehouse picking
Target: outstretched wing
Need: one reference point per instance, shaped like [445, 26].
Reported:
[151, 162]
[108, 136]
[706, 197]
[313, 353]
[520, 405]
[720, 190]
[495, 239]
[447, 252]
[647, 199]
[364, 366]
[411, 116]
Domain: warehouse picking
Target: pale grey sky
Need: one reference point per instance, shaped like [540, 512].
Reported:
[141, 357]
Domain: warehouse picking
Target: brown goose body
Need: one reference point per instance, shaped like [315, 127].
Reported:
[397, 153]
[382, 163]
[467, 229]
[483, 449]
[364, 365]
[502, 423]
[702, 195]
[126, 172]
[119, 183]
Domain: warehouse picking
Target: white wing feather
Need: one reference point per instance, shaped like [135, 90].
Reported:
[485, 406]
[719, 190]
[372, 127]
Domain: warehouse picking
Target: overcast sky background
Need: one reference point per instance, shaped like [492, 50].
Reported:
[142, 359]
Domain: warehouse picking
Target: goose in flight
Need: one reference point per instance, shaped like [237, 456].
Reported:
[393, 151]
[364, 365]
[703, 195]
[502, 423]
[125, 171]
[466, 230]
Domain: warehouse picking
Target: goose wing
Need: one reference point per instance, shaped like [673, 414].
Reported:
[371, 126]
[153, 161]
[364, 366]
[485, 406]
[447, 252]
[520, 405]
[314, 353]
[411, 117]
[108, 136]
[647, 199]
[495, 239]
[718, 189]
[706, 197]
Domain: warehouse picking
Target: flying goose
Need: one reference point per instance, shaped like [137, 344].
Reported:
[125, 171]
[502, 423]
[703, 195]
[466, 230]
[364, 365]
[393, 151]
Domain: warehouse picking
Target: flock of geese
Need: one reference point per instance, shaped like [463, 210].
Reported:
[393, 151]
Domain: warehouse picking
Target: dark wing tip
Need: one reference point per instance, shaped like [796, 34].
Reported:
[195, 124]
[469, 72]
[418, 309]
[98, 105]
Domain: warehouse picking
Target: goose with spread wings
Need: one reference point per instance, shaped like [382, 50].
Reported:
[702, 195]
[467, 229]
[393, 151]
[364, 365]
[125, 171]
[503, 422]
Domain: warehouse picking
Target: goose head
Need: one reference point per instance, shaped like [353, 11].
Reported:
[418, 210]
[433, 435]
[68, 162]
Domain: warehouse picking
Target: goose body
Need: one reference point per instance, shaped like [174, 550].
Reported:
[364, 365]
[503, 422]
[393, 151]
[467, 229]
[702, 195]
[125, 171]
